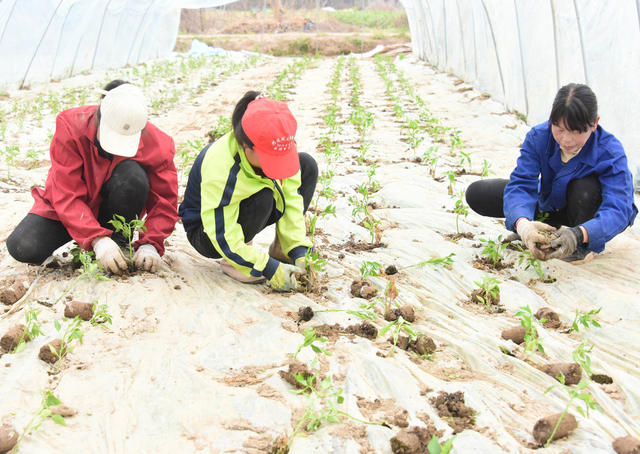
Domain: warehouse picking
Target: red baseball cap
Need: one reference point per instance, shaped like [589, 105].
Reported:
[271, 127]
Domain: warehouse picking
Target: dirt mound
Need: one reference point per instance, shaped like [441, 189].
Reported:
[451, 408]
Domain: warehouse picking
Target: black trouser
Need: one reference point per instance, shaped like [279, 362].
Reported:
[125, 193]
[259, 210]
[584, 196]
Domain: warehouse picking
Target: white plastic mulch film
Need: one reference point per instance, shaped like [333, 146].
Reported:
[42, 40]
[522, 51]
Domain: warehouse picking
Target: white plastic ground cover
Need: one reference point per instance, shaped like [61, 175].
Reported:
[522, 51]
[42, 40]
[191, 362]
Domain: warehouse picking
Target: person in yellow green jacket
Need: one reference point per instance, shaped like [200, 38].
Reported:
[248, 179]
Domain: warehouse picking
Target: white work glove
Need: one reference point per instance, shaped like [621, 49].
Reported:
[284, 278]
[147, 258]
[531, 233]
[109, 255]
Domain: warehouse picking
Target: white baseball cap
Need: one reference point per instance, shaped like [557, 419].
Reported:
[123, 116]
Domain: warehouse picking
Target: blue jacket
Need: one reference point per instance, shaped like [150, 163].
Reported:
[601, 155]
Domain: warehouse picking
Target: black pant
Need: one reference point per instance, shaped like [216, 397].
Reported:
[584, 196]
[125, 193]
[259, 211]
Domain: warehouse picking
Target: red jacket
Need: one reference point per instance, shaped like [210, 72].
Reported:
[72, 190]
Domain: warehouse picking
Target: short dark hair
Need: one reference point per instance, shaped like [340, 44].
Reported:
[236, 118]
[575, 105]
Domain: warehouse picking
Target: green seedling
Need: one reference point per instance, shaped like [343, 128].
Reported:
[451, 176]
[101, 315]
[435, 447]
[222, 127]
[44, 413]
[309, 341]
[528, 321]
[494, 250]
[10, 153]
[322, 406]
[90, 269]
[530, 262]
[490, 290]
[32, 328]
[577, 393]
[460, 209]
[370, 269]
[585, 319]
[582, 356]
[435, 262]
[397, 327]
[465, 157]
[313, 265]
[486, 169]
[72, 331]
[365, 313]
[374, 186]
[128, 229]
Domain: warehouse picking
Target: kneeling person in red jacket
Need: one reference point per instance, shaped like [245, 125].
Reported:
[105, 160]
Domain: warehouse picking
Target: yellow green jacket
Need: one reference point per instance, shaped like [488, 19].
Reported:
[221, 178]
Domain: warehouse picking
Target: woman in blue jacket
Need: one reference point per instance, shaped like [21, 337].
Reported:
[572, 175]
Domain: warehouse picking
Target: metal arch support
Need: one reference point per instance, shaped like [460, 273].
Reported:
[6, 24]
[35, 52]
[133, 41]
[55, 57]
[464, 52]
[555, 43]
[95, 51]
[444, 26]
[495, 49]
[584, 56]
[433, 32]
[638, 11]
[524, 78]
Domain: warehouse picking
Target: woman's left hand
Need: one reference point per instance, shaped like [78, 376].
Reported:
[565, 242]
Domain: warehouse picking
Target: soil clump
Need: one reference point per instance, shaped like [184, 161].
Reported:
[305, 314]
[79, 309]
[515, 334]
[572, 372]
[296, 369]
[406, 312]
[485, 263]
[413, 440]
[12, 289]
[552, 317]
[11, 338]
[364, 329]
[47, 355]
[626, 445]
[8, 438]
[391, 270]
[455, 237]
[422, 345]
[363, 289]
[451, 408]
[601, 379]
[544, 427]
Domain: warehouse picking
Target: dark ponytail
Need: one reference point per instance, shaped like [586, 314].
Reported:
[236, 119]
[576, 106]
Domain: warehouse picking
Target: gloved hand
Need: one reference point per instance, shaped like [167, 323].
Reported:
[109, 255]
[147, 258]
[565, 242]
[301, 263]
[284, 278]
[537, 242]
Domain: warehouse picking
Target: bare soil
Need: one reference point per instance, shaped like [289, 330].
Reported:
[413, 440]
[451, 408]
